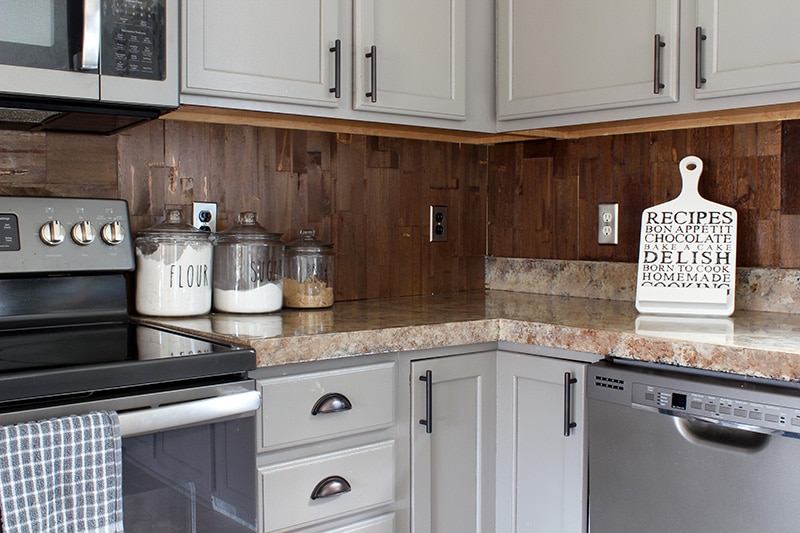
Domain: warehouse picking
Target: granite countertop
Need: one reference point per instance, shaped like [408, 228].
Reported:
[753, 343]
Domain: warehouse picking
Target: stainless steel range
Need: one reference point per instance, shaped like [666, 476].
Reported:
[67, 346]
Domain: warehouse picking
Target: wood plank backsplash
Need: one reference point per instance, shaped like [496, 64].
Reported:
[543, 195]
[370, 195]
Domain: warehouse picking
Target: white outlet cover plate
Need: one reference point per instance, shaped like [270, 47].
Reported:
[199, 207]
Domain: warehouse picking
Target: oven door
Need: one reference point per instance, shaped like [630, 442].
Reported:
[188, 456]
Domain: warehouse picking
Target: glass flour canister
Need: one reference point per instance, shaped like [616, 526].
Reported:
[248, 268]
[308, 274]
[173, 269]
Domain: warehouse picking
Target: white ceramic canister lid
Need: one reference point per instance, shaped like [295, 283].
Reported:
[173, 268]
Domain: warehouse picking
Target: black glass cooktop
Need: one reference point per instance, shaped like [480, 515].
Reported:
[88, 359]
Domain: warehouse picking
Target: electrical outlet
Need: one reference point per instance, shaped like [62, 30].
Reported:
[607, 223]
[438, 223]
[204, 216]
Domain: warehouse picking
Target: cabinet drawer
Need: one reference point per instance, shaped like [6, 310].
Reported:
[379, 524]
[288, 403]
[286, 488]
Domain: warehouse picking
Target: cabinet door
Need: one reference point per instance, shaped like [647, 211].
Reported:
[541, 473]
[277, 50]
[559, 56]
[419, 62]
[750, 47]
[452, 475]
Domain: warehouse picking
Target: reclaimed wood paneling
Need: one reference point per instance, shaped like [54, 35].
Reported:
[58, 164]
[790, 168]
[751, 167]
[369, 195]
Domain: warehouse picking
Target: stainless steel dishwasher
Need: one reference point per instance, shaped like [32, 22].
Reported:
[682, 451]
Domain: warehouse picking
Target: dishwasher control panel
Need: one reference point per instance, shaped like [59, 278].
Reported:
[724, 408]
[728, 401]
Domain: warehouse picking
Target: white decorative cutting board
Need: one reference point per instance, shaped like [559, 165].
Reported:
[687, 253]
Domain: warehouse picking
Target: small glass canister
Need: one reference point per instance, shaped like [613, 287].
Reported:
[308, 274]
[248, 268]
[173, 269]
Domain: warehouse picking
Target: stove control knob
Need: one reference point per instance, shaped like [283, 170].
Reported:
[113, 233]
[83, 233]
[52, 233]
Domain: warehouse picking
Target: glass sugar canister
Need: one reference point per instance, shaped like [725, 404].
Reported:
[308, 274]
[248, 268]
[173, 269]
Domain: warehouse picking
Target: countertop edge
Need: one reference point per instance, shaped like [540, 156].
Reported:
[756, 344]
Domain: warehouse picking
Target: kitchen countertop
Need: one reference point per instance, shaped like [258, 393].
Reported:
[753, 343]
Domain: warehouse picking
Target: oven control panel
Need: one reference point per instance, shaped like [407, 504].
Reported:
[64, 235]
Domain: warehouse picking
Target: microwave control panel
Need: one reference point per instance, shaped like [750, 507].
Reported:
[134, 39]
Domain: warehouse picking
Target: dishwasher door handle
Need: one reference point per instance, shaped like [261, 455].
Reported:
[192, 413]
[720, 437]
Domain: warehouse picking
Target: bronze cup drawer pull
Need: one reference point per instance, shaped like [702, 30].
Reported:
[329, 487]
[333, 402]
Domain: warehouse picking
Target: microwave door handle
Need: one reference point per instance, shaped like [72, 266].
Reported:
[192, 413]
[90, 54]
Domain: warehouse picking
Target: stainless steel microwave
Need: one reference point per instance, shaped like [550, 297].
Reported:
[87, 65]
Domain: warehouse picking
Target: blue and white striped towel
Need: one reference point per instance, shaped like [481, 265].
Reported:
[62, 475]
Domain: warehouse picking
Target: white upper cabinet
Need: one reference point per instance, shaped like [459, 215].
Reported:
[410, 57]
[310, 57]
[277, 50]
[559, 56]
[570, 62]
[749, 47]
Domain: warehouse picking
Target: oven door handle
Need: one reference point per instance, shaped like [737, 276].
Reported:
[192, 413]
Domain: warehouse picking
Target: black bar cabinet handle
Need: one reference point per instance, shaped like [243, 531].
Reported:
[428, 420]
[336, 49]
[569, 425]
[699, 37]
[372, 55]
[658, 45]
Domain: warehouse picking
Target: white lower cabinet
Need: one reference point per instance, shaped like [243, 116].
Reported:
[506, 449]
[541, 444]
[456, 440]
[379, 524]
[327, 486]
[317, 406]
[328, 448]
[452, 454]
